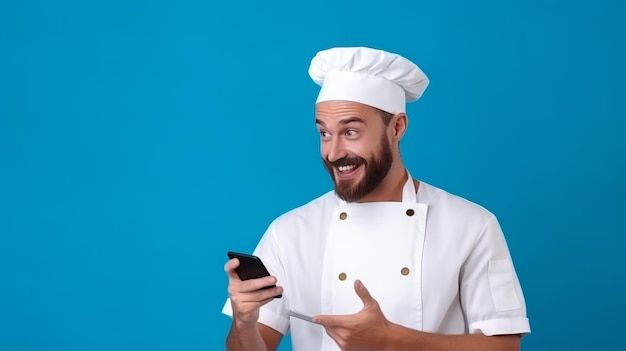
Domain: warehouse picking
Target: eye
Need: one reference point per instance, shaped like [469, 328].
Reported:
[351, 132]
[324, 134]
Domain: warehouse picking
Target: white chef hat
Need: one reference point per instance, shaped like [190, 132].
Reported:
[369, 76]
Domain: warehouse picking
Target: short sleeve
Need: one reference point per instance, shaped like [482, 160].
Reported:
[491, 294]
[274, 313]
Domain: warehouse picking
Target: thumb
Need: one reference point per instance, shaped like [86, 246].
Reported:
[363, 293]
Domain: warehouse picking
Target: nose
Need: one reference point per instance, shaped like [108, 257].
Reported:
[334, 150]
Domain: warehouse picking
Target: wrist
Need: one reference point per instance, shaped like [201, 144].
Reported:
[400, 338]
[390, 340]
[244, 323]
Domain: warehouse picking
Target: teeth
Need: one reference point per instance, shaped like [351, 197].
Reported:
[346, 168]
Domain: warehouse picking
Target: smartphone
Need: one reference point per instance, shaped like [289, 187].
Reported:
[250, 267]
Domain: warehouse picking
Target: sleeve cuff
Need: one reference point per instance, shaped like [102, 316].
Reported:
[267, 317]
[503, 326]
[274, 321]
[228, 308]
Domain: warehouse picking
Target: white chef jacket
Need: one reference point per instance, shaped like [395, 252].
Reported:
[469, 284]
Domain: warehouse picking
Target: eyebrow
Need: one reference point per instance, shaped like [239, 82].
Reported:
[343, 121]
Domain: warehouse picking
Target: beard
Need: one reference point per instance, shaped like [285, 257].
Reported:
[376, 170]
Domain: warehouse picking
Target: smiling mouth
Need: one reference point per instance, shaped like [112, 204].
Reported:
[348, 168]
[346, 172]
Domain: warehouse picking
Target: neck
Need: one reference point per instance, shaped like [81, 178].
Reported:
[390, 189]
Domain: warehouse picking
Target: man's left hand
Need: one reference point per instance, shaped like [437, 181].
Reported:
[365, 330]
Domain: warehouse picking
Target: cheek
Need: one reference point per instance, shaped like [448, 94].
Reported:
[365, 148]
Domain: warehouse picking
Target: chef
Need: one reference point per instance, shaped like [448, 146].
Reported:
[383, 261]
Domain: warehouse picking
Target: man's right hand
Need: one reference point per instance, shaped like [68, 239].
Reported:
[246, 296]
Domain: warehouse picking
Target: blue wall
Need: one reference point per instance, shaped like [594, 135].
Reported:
[141, 140]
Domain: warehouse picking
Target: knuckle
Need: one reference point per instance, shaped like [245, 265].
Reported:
[232, 289]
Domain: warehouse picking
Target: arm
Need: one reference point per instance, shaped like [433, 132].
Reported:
[402, 338]
[370, 330]
[252, 337]
[489, 261]
[246, 334]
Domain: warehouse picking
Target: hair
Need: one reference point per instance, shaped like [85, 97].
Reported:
[386, 116]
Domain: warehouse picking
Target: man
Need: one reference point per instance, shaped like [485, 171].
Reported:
[383, 262]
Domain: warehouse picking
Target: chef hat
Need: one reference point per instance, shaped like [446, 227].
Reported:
[373, 77]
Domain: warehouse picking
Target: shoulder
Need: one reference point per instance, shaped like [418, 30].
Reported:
[309, 212]
[442, 201]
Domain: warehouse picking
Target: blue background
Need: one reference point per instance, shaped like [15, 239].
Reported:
[141, 140]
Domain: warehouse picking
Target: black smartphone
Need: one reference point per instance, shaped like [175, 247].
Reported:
[250, 267]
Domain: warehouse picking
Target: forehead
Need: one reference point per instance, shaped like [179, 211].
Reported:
[335, 111]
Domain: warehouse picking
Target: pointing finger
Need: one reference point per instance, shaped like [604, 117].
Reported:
[363, 293]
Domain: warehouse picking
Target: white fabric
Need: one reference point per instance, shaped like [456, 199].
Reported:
[468, 281]
[373, 77]
[353, 247]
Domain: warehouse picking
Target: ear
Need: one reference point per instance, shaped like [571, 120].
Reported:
[399, 124]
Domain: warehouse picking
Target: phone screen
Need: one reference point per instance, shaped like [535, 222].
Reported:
[250, 267]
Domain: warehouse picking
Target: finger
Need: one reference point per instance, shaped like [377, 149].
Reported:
[256, 295]
[247, 303]
[332, 321]
[363, 293]
[229, 268]
[258, 283]
[271, 293]
[319, 319]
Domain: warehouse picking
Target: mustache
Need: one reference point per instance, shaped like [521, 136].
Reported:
[354, 160]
